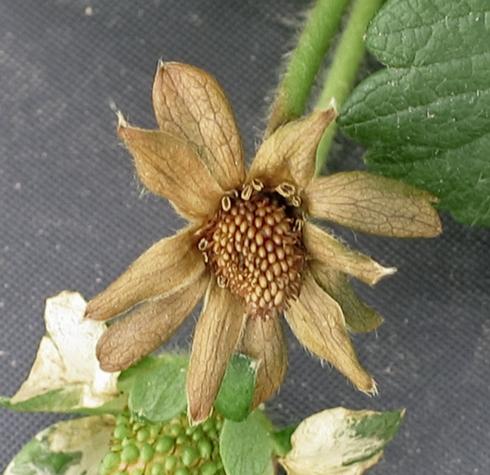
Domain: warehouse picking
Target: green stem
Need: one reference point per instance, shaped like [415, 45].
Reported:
[293, 92]
[345, 65]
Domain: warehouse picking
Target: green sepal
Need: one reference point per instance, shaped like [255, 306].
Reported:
[246, 447]
[156, 387]
[282, 440]
[235, 396]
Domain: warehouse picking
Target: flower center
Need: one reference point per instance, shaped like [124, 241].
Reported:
[254, 247]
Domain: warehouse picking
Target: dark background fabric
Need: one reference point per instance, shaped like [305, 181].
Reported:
[73, 216]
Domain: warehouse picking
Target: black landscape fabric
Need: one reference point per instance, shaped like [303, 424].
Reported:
[73, 216]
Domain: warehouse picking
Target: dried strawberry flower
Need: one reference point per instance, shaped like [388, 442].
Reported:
[249, 249]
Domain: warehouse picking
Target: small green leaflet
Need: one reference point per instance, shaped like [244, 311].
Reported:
[156, 387]
[66, 448]
[246, 447]
[340, 441]
[66, 401]
[282, 440]
[36, 457]
[236, 393]
[426, 119]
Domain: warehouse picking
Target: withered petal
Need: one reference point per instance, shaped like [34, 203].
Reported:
[171, 167]
[319, 324]
[373, 204]
[147, 326]
[323, 247]
[359, 317]
[217, 334]
[190, 104]
[263, 340]
[169, 265]
[289, 153]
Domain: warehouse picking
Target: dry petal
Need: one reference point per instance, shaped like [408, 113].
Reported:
[190, 104]
[359, 317]
[263, 340]
[217, 334]
[289, 153]
[331, 252]
[169, 265]
[147, 326]
[374, 204]
[171, 167]
[318, 322]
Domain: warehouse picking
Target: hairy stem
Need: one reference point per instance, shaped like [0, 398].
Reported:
[345, 65]
[293, 92]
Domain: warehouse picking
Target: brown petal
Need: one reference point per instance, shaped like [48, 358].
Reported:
[331, 252]
[147, 326]
[190, 104]
[289, 153]
[170, 167]
[374, 204]
[169, 265]
[216, 336]
[358, 316]
[263, 340]
[318, 322]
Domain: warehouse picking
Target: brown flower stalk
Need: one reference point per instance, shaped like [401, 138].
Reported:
[249, 248]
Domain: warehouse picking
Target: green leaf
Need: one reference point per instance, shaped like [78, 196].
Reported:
[57, 400]
[380, 425]
[236, 393]
[65, 401]
[340, 441]
[426, 119]
[36, 457]
[60, 380]
[246, 447]
[282, 440]
[156, 387]
[127, 378]
[70, 447]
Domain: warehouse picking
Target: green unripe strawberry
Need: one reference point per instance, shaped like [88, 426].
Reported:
[170, 448]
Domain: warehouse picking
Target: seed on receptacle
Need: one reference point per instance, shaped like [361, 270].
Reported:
[252, 240]
[267, 231]
[270, 220]
[276, 268]
[277, 239]
[243, 227]
[278, 298]
[267, 295]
